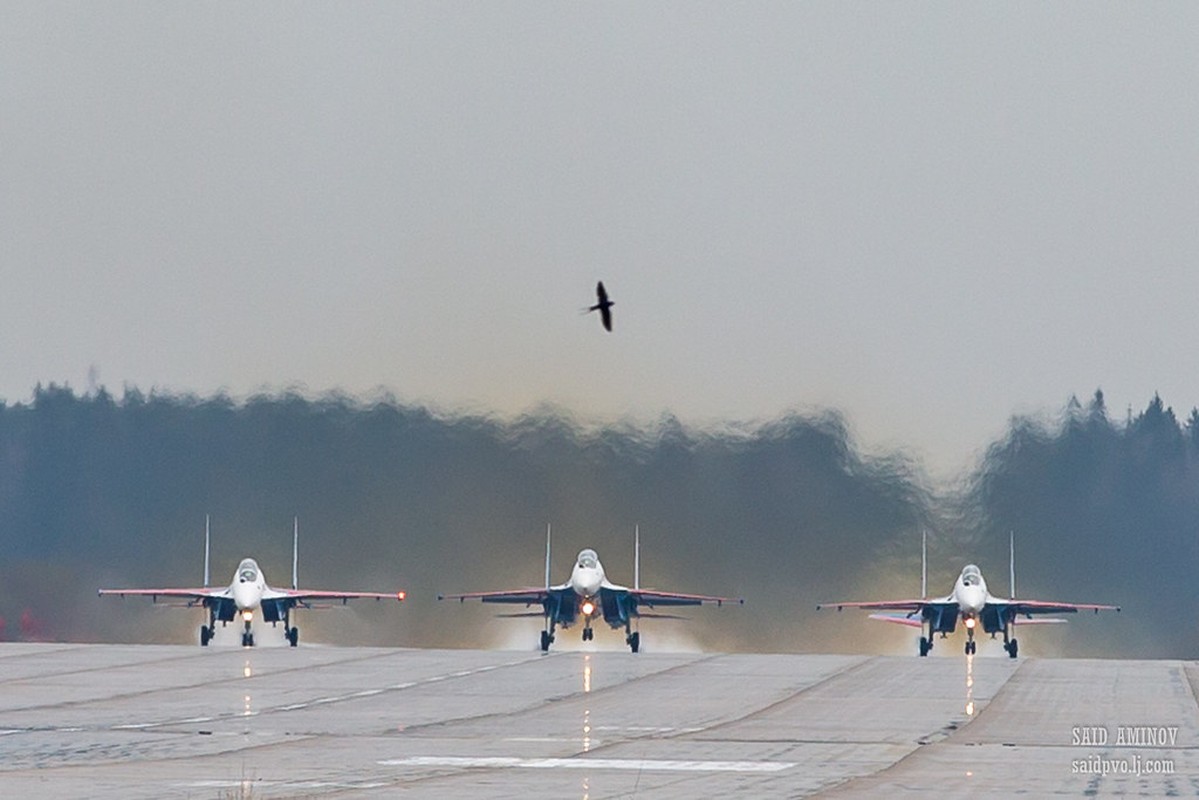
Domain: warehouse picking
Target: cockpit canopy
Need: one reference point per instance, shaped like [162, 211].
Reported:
[971, 576]
[588, 559]
[247, 571]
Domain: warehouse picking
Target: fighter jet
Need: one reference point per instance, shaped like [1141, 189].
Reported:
[971, 603]
[589, 595]
[249, 592]
[604, 306]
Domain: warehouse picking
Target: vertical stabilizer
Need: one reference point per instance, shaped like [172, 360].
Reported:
[206, 579]
[547, 555]
[923, 565]
[637, 557]
[1012, 564]
[295, 552]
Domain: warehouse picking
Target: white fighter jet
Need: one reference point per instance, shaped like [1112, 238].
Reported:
[249, 592]
[971, 603]
[589, 596]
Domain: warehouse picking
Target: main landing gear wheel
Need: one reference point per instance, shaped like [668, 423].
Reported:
[925, 646]
[634, 641]
[205, 635]
[1012, 647]
[546, 639]
[293, 636]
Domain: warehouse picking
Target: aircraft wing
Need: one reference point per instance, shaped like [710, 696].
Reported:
[526, 597]
[557, 602]
[653, 598]
[1027, 608]
[193, 596]
[276, 604]
[914, 606]
[912, 621]
[304, 596]
[940, 614]
[219, 600]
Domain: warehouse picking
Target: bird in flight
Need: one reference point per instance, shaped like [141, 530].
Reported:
[604, 306]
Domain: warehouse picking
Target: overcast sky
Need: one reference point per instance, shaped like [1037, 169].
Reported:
[927, 216]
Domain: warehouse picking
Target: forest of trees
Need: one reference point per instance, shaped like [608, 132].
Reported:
[1104, 510]
[96, 490]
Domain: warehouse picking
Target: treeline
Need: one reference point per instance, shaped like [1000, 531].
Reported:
[1103, 510]
[104, 491]
[99, 490]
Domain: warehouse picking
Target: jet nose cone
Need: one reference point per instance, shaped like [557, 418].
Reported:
[587, 584]
[244, 595]
[972, 599]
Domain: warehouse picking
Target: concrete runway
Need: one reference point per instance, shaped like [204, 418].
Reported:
[145, 721]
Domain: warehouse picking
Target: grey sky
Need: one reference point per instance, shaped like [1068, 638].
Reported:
[928, 216]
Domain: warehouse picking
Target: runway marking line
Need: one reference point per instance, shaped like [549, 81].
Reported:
[635, 764]
[320, 701]
[257, 783]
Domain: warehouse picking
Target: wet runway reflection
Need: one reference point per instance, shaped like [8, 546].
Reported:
[247, 672]
[586, 706]
[970, 685]
[586, 721]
